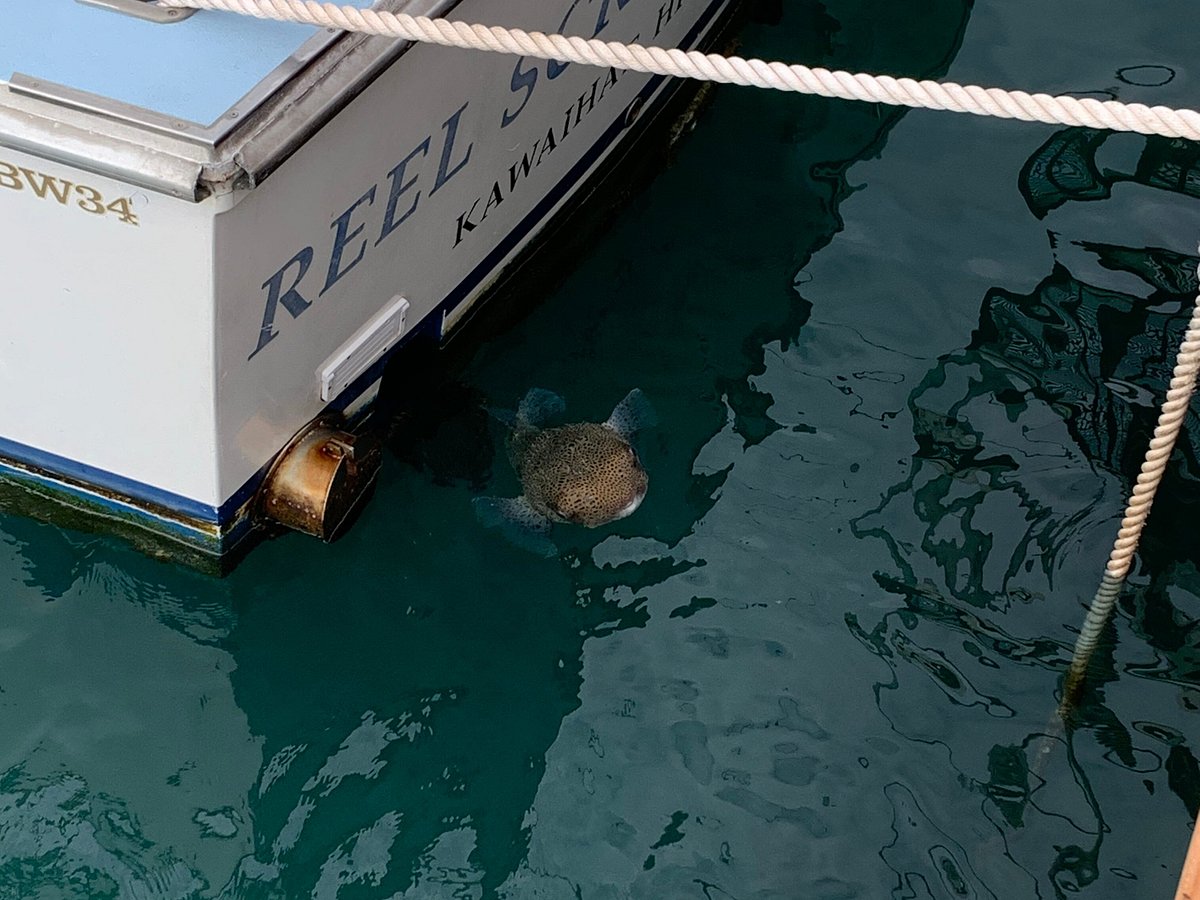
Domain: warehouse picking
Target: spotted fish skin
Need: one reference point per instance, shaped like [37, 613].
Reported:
[586, 474]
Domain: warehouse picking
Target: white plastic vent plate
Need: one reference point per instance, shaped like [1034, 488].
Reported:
[375, 338]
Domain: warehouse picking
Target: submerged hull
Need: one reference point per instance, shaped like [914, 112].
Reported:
[193, 292]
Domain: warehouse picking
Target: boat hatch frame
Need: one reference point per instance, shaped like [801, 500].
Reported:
[193, 160]
[142, 9]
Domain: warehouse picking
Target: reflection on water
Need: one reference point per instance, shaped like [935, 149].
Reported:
[127, 763]
[1025, 440]
[904, 367]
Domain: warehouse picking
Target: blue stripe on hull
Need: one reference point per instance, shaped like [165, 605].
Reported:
[71, 471]
[205, 536]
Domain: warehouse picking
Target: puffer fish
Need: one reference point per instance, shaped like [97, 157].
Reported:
[587, 473]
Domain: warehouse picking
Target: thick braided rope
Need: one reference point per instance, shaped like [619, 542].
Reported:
[1170, 423]
[1089, 112]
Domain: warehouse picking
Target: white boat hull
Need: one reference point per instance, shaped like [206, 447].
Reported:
[163, 349]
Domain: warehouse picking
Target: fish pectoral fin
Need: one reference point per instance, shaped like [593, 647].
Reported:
[538, 406]
[504, 416]
[632, 415]
[519, 522]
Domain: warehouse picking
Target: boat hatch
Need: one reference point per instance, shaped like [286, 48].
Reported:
[197, 71]
[115, 92]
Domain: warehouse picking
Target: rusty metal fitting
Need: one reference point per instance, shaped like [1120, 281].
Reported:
[320, 479]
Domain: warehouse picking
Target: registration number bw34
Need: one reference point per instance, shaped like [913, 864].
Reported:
[65, 193]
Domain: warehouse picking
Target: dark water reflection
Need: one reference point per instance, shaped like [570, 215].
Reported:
[904, 367]
[987, 423]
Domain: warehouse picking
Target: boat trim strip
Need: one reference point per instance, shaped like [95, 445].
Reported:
[142, 9]
[34, 127]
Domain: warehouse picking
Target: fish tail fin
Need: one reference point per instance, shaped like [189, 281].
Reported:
[519, 522]
[633, 414]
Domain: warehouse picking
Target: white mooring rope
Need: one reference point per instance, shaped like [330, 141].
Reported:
[1108, 114]
[980, 101]
[1170, 423]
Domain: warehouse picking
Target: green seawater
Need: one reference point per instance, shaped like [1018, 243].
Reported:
[905, 365]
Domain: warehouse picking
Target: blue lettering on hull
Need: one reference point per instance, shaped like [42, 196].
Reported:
[348, 230]
[286, 288]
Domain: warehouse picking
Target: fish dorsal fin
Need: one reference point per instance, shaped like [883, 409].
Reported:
[539, 406]
[519, 522]
[632, 414]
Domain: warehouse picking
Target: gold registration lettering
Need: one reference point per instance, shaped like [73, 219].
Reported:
[92, 201]
[61, 191]
[10, 176]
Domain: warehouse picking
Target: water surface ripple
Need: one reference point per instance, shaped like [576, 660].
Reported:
[904, 366]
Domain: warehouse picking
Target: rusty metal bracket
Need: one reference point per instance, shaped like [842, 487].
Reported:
[320, 479]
